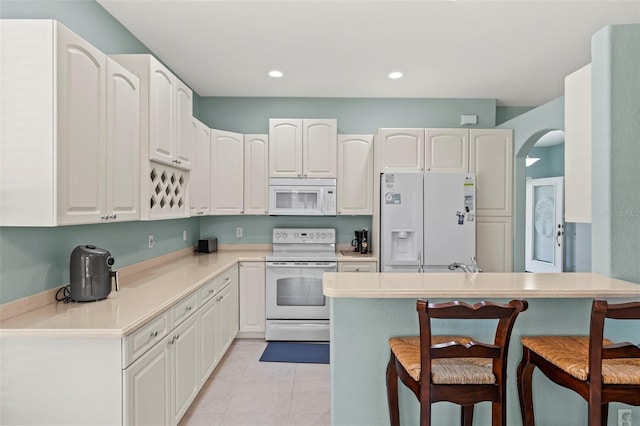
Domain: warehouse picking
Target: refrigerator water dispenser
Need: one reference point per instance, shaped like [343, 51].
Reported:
[404, 245]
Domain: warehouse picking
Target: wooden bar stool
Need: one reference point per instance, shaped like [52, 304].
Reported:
[457, 369]
[594, 367]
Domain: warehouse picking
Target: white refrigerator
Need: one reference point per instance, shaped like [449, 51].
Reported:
[427, 221]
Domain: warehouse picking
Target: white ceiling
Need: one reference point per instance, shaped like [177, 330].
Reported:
[517, 52]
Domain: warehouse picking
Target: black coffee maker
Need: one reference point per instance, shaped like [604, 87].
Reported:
[361, 241]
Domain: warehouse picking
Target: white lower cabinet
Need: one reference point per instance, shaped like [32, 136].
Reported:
[209, 317]
[228, 317]
[160, 386]
[185, 378]
[494, 243]
[252, 299]
[360, 266]
[146, 384]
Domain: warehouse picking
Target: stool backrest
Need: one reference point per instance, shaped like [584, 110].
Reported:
[601, 310]
[506, 315]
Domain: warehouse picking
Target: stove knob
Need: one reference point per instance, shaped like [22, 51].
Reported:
[317, 235]
[284, 235]
[323, 235]
[278, 235]
[329, 235]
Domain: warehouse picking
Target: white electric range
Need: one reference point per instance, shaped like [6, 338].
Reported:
[295, 306]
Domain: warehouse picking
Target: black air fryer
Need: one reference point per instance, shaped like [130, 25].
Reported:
[91, 273]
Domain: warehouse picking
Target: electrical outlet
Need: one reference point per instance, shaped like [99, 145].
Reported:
[152, 242]
[239, 232]
[184, 235]
[624, 417]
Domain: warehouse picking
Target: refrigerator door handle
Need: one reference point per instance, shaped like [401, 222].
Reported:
[419, 261]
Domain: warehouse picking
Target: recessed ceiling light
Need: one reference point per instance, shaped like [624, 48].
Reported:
[395, 75]
[275, 74]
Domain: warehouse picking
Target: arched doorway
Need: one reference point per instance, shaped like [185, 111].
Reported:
[550, 244]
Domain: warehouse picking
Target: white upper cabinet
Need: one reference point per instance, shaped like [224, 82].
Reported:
[285, 148]
[355, 175]
[447, 150]
[123, 147]
[491, 159]
[227, 172]
[81, 129]
[166, 110]
[200, 183]
[577, 146]
[256, 174]
[302, 148]
[319, 143]
[67, 121]
[184, 109]
[400, 150]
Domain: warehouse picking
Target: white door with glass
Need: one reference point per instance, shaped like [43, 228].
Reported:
[544, 225]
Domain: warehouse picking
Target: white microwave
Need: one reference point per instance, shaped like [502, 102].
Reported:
[302, 197]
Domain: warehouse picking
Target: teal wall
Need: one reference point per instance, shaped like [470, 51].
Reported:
[258, 229]
[506, 113]
[84, 17]
[615, 125]
[37, 259]
[527, 129]
[355, 115]
[551, 163]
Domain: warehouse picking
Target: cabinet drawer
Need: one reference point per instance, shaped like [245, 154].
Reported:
[227, 277]
[143, 339]
[208, 290]
[183, 309]
[358, 267]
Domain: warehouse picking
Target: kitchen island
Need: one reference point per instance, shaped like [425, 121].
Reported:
[368, 308]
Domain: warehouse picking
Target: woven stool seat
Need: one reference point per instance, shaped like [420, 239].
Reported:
[453, 368]
[476, 371]
[571, 354]
[597, 369]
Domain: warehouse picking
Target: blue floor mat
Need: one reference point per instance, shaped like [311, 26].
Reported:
[314, 353]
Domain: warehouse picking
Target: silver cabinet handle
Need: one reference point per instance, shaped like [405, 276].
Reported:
[210, 291]
[154, 333]
[357, 269]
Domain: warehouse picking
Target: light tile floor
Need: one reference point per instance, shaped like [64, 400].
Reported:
[244, 391]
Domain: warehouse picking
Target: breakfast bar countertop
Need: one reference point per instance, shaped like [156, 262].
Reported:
[478, 285]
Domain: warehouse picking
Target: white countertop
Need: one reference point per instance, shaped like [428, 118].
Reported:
[142, 296]
[498, 285]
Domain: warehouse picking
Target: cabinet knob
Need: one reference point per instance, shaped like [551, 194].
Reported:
[154, 333]
[210, 291]
[357, 269]
[114, 216]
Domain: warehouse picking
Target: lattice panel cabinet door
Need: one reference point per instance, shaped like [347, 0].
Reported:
[168, 190]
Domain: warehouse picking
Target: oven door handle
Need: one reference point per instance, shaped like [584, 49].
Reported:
[301, 265]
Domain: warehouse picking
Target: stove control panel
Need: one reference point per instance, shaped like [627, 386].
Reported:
[304, 235]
